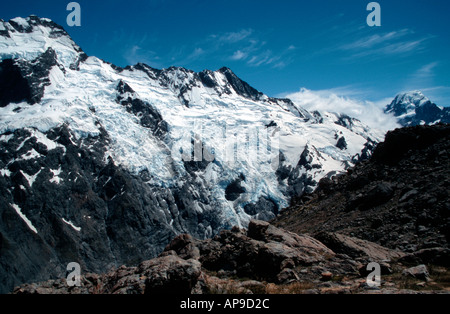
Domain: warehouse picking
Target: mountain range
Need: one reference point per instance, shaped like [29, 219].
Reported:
[104, 165]
[391, 210]
[413, 108]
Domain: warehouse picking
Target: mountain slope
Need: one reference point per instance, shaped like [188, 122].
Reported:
[398, 199]
[413, 108]
[104, 165]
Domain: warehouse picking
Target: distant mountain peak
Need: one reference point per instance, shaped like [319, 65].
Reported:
[414, 108]
[406, 102]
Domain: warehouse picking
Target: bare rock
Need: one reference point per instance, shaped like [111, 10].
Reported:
[310, 249]
[436, 256]
[326, 276]
[358, 248]
[418, 272]
[262, 252]
[286, 276]
[170, 274]
[185, 247]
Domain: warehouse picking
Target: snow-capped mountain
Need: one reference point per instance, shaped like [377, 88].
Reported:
[103, 165]
[413, 108]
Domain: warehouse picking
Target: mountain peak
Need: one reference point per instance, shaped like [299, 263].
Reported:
[414, 108]
[27, 25]
[225, 70]
[417, 98]
[407, 102]
[28, 38]
[240, 87]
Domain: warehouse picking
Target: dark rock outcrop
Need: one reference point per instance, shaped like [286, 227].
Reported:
[164, 274]
[148, 115]
[262, 253]
[25, 81]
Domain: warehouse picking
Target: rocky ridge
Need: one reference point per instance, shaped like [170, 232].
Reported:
[260, 260]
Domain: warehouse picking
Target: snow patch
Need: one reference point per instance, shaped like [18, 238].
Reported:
[42, 138]
[24, 218]
[56, 179]
[6, 138]
[30, 178]
[32, 154]
[68, 222]
[5, 172]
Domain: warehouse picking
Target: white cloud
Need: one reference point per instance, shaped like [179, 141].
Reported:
[421, 78]
[233, 37]
[263, 58]
[136, 54]
[426, 71]
[269, 58]
[239, 55]
[196, 53]
[373, 40]
[388, 44]
[370, 113]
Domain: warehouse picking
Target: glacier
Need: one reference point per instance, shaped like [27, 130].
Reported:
[145, 153]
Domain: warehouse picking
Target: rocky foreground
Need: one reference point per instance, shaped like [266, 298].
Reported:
[263, 259]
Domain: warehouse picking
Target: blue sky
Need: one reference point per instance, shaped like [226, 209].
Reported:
[278, 47]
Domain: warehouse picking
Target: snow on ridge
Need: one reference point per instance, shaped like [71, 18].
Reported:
[43, 139]
[21, 21]
[30, 45]
[6, 138]
[68, 222]
[24, 218]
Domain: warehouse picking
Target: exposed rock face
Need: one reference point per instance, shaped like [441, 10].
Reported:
[419, 272]
[357, 248]
[149, 117]
[25, 81]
